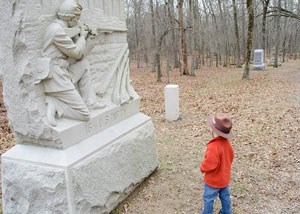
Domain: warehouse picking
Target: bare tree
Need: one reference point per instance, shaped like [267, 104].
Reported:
[182, 38]
[217, 49]
[277, 39]
[218, 31]
[193, 6]
[153, 37]
[264, 19]
[244, 34]
[249, 38]
[237, 37]
[223, 28]
[174, 48]
[137, 9]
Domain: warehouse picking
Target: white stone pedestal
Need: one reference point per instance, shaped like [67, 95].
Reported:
[258, 60]
[172, 102]
[93, 176]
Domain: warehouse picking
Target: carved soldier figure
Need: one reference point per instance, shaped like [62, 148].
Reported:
[68, 87]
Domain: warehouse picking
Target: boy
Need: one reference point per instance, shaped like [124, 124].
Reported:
[216, 165]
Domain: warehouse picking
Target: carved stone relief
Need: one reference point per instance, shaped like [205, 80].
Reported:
[105, 70]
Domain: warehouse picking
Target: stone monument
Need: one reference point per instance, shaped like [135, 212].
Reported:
[258, 59]
[82, 143]
[172, 102]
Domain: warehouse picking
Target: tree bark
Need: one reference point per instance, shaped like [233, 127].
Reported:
[182, 39]
[223, 46]
[175, 49]
[249, 39]
[237, 37]
[263, 28]
[194, 63]
[217, 51]
[136, 22]
[277, 38]
[153, 38]
[244, 34]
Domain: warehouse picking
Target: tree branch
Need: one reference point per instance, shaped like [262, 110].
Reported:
[283, 12]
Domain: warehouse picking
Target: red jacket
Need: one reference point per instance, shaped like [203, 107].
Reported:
[217, 162]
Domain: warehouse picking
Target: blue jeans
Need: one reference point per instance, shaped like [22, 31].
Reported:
[209, 197]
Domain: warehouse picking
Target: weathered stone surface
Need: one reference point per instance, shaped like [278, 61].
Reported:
[70, 132]
[172, 102]
[114, 171]
[23, 26]
[62, 165]
[32, 188]
[92, 176]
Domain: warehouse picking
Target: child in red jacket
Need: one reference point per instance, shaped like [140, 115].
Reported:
[216, 165]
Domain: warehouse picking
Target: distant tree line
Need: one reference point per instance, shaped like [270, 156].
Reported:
[189, 34]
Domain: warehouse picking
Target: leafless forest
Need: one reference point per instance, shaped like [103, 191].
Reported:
[191, 33]
[211, 40]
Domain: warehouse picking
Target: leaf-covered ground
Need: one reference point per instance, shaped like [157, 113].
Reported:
[266, 116]
[6, 137]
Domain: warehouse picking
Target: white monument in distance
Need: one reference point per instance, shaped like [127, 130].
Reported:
[258, 59]
[172, 102]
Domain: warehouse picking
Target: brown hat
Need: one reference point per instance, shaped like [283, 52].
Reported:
[221, 124]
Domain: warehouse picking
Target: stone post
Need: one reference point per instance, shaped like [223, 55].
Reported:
[258, 59]
[172, 102]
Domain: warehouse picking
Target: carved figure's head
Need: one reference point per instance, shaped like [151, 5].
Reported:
[70, 11]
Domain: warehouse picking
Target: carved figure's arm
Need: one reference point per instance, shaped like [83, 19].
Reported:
[92, 30]
[66, 45]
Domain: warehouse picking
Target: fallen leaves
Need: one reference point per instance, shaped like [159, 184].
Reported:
[6, 137]
[266, 116]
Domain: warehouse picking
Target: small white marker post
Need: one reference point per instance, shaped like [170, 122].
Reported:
[172, 102]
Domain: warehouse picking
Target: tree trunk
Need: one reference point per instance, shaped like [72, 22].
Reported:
[193, 45]
[237, 37]
[157, 49]
[217, 50]
[277, 38]
[182, 39]
[244, 34]
[249, 38]
[175, 49]
[136, 13]
[285, 37]
[263, 29]
[169, 15]
[153, 38]
[159, 54]
[223, 45]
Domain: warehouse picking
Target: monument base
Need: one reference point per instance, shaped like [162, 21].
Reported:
[258, 66]
[93, 176]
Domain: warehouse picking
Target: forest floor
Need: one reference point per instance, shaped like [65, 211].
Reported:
[266, 124]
